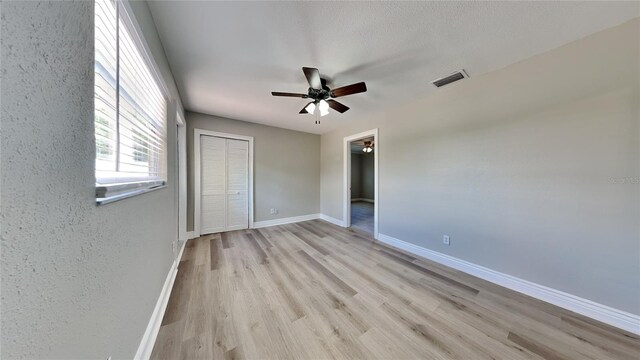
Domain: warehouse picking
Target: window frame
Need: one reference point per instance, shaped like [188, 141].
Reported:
[122, 188]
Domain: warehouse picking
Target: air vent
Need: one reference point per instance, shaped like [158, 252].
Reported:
[458, 75]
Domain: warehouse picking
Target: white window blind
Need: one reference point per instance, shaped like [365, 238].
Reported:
[130, 107]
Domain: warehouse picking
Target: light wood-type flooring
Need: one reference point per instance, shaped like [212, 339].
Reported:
[313, 290]
[362, 216]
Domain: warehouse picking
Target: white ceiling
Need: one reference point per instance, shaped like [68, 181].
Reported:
[227, 57]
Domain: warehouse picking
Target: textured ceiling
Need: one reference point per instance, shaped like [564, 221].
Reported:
[227, 57]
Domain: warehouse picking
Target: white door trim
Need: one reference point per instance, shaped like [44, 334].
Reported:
[197, 186]
[346, 183]
[182, 177]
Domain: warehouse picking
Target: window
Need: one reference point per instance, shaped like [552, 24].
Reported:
[130, 109]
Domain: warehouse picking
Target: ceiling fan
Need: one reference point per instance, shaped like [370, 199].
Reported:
[321, 95]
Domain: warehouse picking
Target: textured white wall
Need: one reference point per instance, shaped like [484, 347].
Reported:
[78, 280]
[532, 170]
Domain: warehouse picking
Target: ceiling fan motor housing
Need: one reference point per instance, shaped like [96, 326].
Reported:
[320, 94]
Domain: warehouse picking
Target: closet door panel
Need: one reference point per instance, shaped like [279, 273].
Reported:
[237, 184]
[214, 195]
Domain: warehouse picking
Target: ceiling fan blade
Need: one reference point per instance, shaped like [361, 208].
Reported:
[313, 77]
[349, 90]
[304, 109]
[276, 93]
[337, 106]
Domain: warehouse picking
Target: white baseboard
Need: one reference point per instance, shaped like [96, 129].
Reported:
[179, 257]
[151, 333]
[282, 221]
[614, 317]
[332, 220]
[191, 235]
[363, 199]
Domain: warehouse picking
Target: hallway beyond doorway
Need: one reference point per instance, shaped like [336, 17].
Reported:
[362, 216]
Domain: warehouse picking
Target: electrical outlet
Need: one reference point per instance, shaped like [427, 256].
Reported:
[445, 239]
[174, 246]
[273, 211]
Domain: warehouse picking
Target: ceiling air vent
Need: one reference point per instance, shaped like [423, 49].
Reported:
[458, 75]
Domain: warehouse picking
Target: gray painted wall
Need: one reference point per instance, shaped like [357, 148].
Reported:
[356, 177]
[532, 169]
[367, 181]
[286, 166]
[78, 281]
[362, 176]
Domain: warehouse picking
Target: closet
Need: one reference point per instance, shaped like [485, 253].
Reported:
[224, 193]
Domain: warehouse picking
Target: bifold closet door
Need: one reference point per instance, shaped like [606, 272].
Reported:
[237, 184]
[224, 184]
[213, 166]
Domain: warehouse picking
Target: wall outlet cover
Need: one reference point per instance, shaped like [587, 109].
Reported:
[445, 239]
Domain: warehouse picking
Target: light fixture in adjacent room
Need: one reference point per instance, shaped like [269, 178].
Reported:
[368, 147]
[310, 108]
[323, 106]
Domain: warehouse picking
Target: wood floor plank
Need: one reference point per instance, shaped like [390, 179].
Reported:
[429, 273]
[290, 301]
[386, 347]
[180, 294]
[311, 229]
[312, 290]
[341, 284]
[214, 253]
[602, 329]
[168, 344]
[262, 238]
[256, 246]
[311, 243]
[225, 241]
[535, 347]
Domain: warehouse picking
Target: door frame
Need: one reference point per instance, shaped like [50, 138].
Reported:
[346, 184]
[197, 189]
[181, 141]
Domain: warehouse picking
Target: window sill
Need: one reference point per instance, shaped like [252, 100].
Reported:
[106, 194]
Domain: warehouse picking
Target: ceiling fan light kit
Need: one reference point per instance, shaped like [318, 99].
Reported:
[368, 147]
[323, 106]
[310, 108]
[322, 95]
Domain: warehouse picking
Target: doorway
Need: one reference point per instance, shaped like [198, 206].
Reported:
[361, 182]
[223, 182]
